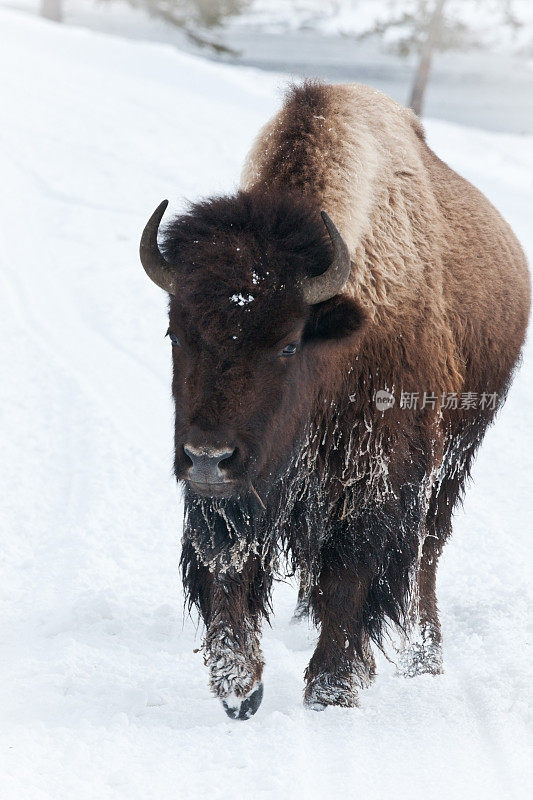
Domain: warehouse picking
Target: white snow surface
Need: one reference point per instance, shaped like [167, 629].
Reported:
[103, 694]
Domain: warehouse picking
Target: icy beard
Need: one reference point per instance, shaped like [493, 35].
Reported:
[225, 532]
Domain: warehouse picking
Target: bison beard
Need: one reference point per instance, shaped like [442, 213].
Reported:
[427, 290]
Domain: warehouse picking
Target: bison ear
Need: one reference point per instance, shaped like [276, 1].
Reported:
[337, 318]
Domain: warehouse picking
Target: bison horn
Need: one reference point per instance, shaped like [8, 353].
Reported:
[153, 261]
[330, 282]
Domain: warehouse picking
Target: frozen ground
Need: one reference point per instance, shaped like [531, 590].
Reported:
[103, 695]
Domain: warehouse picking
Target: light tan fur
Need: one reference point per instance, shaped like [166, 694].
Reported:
[427, 248]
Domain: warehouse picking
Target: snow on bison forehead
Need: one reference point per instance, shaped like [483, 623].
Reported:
[255, 317]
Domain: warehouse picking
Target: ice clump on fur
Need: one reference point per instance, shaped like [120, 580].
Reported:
[235, 667]
[241, 300]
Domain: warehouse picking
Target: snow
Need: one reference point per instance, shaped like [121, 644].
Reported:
[103, 694]
[241, 299]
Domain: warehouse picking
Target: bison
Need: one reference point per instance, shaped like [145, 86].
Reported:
[343, 330]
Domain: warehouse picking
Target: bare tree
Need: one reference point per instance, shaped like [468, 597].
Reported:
[427, 26]
[194, 17]
[432, 38]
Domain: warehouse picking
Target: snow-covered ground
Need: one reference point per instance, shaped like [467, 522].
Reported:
[103, 694]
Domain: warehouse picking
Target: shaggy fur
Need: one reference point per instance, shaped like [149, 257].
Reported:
[359, 499]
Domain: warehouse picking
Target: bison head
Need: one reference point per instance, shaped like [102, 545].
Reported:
[257, 324]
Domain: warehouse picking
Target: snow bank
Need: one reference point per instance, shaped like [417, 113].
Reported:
[103, 695]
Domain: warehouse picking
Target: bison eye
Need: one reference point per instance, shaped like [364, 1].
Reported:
[173, 338]
[289, 349]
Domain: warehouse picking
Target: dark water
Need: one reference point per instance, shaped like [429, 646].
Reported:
[479, 89]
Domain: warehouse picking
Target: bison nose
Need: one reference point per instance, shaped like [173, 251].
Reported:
[206, 463]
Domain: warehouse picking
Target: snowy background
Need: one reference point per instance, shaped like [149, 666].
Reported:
[103, 694]
[349, 17]
[488, 86]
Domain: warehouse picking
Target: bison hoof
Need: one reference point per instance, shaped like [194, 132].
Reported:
[328, 690]
[301, 612]
[243, 707]
[420, 659]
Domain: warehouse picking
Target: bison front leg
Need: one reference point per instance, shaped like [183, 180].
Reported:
[231, 604]
[232, 649]
[342, 662]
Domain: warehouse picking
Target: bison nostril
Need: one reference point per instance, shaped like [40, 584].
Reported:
[207, 462]
[187, 455]
[228, 459]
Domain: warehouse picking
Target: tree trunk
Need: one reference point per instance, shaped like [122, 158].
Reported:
[52, 9]
[416, 100]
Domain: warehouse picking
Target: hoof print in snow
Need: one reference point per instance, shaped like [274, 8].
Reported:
[243, 708]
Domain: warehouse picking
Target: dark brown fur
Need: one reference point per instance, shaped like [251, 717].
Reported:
[360, 500]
